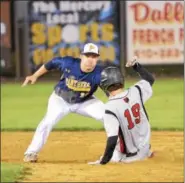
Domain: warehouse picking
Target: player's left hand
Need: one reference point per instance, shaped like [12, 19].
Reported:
[97, 162]
[132, 62]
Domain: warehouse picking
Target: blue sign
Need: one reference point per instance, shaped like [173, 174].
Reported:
[61, 28]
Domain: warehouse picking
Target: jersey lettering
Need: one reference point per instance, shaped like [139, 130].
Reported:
[78, 85]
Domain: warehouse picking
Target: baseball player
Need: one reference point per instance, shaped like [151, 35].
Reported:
[126, 121]
[73, 93]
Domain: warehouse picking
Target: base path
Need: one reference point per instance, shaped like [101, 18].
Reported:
[65, 156]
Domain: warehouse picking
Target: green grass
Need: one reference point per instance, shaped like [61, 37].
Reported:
[23, 108]
[11, 172]
[166, 106]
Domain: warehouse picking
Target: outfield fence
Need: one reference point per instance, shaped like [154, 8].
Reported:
[34, 32]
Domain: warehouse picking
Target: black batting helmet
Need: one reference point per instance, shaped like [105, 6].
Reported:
[110, 76]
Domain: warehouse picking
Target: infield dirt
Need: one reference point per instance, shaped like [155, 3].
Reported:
[65, 156]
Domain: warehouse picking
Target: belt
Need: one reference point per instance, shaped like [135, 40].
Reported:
[68, 96]
[131, 154]
[135, 153]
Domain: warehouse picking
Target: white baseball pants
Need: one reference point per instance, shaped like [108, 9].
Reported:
[142, 154]
[57, 109]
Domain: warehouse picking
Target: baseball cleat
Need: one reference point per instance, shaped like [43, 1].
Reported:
[32, 157]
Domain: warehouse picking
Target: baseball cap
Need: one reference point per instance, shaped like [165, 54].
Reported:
[90, 48]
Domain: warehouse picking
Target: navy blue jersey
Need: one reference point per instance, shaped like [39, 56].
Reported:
[77, 85]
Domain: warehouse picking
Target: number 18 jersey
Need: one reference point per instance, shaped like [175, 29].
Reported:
[126, 111]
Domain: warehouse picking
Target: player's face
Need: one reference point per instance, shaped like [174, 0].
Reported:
[89, 61]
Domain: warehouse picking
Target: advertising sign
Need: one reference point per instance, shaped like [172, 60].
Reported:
[155, 31]
[6, 62]
[61, 28]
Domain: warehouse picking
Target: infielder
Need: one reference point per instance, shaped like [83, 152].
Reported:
[73, 93]
[126, 121]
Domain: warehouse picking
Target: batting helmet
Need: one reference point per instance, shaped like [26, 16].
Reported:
[111, 76]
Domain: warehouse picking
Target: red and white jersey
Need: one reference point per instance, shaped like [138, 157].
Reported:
[126, 110]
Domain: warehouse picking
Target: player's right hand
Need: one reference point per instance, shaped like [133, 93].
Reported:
[28, 79]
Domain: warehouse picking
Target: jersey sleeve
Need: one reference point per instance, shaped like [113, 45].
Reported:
[111, 123]
[55, 63]
[146, 89]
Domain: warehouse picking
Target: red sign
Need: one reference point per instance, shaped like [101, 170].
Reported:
[6, 62]
[5, 24]
[155, 31]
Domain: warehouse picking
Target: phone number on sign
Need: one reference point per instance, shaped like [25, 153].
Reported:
[160, 53]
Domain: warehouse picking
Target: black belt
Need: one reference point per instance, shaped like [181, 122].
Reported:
[135, 153]
[68, 96]
[131, 154]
